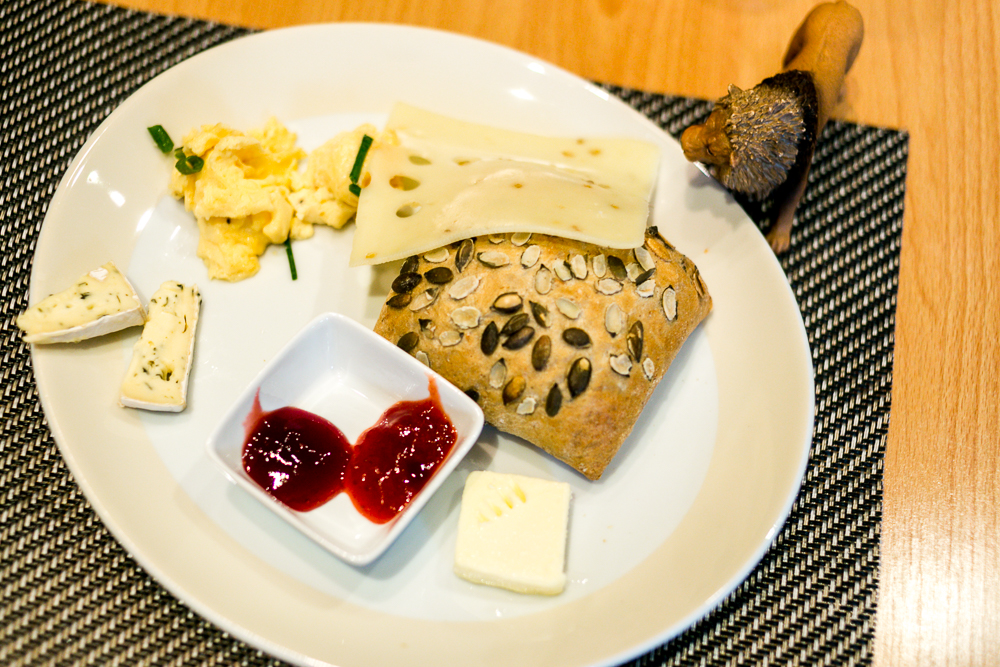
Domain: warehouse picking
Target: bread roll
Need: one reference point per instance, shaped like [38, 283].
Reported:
[560, 342]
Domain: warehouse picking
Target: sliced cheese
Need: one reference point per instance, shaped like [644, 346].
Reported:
[448, 179]
[157, 376]
[512, 532]
[100, 302]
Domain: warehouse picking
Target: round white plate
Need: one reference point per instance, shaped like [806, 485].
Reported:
[687, 509]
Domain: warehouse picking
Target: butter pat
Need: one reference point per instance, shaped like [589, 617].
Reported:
[157, 376]
[448, 179]
[100, 302]
[512, 532]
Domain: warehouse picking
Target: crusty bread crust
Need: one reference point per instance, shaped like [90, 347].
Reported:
[623, 358]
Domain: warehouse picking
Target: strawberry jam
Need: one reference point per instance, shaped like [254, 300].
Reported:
[394, 459]
[303, 460]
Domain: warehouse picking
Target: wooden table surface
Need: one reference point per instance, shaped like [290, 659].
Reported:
[925, 68]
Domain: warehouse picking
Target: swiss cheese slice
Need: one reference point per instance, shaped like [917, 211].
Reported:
[450, 179]
[512, 532]
[99, 302]
[157, 376]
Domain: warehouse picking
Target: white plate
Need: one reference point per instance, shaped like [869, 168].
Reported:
[349, 375]
[686, 510]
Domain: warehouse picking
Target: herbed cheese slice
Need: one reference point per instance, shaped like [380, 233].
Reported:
[449, 179]
[512, 532]
[100, 302]
[157, 376]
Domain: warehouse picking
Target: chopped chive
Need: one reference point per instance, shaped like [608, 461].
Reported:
[355, 189]
[291, 258]
[162, 139]
[189, 164]
[359, 161]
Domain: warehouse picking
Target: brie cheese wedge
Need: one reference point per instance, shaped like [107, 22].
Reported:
[157, 376]
[512, 532]
[100, 302]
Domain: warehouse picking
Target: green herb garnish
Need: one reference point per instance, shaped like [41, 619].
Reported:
[188, 164]
[355, 189]
[359, 161]
[291, 258]
[162, 139]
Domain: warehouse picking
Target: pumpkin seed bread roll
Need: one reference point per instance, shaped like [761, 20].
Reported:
[560, 342]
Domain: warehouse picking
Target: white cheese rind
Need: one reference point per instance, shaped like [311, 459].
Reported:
[512, 533]
[449, 179]
[101, 301]
[157, 376]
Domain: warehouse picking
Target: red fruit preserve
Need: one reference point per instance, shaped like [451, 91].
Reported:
[396, 457]
[297, 457]
[303, 460]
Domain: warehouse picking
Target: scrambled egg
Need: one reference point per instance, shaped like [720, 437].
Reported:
[250, 192]
[323, 195]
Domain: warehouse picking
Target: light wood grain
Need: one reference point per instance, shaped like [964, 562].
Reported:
[928, 67]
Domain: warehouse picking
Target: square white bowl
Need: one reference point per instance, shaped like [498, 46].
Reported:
[349, 375]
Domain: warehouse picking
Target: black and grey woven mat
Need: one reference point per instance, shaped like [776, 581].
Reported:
[70, 594]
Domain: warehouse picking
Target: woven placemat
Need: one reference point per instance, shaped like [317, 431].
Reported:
[70, 594]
